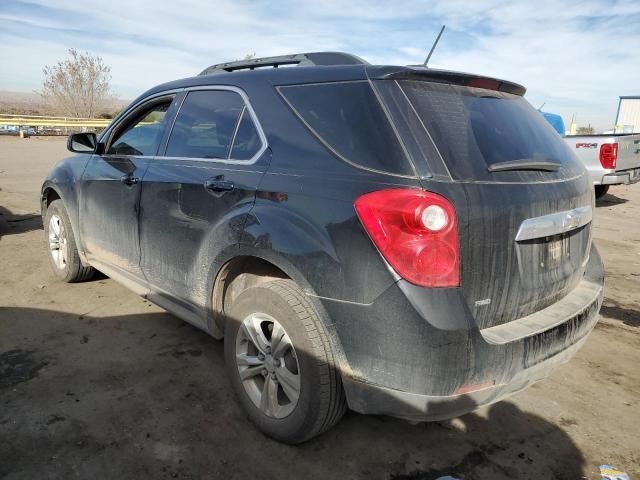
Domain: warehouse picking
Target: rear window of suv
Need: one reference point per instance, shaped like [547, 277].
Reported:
[349, 120]
[474, 128]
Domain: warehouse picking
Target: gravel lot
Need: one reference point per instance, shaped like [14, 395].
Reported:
[97, 383]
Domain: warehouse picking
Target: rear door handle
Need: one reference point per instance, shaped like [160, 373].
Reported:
[219, 185]
[129, 180]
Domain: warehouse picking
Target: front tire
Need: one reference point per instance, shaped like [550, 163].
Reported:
[63, 253]
[281, 363]
[601, 190]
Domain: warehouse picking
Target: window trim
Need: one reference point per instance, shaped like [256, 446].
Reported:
[424, 128]
[108, 137]
[229, 161]
[235, 131]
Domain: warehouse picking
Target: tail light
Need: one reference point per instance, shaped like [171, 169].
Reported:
[416, 232]
[608, 155]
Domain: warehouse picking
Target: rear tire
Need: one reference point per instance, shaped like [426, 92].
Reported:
[61, 245]
[601, 190]
[291, 393]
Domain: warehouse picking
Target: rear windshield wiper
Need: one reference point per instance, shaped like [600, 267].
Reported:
[525, 164]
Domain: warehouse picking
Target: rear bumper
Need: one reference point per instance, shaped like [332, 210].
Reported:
[374, 399]
[621, 178]
[431, 362]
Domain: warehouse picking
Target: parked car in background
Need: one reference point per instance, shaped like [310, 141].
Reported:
[609, 159]
[9, 130]
[398, 240]
[16, 129]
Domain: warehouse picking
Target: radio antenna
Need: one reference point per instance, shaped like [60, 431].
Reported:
[434, 46]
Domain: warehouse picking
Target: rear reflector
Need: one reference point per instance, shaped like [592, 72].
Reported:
[474, 387]
[608, 155]
[416, 232]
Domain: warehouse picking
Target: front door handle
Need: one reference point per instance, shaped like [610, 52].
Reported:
[219, 185]
[129, 180]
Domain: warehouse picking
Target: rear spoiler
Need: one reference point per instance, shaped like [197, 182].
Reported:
[414, 72]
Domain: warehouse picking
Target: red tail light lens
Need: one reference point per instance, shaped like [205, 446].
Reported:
[608, 155]
[416, 232]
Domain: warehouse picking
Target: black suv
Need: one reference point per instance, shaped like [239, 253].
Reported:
[396, 240]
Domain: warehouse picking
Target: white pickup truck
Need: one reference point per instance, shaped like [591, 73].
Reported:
[610, 159]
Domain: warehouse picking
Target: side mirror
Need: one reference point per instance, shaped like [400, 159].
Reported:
[82, 142]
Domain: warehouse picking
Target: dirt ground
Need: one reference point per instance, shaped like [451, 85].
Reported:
[97, 383]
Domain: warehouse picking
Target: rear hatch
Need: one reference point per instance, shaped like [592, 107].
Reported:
[628, 152]
[525, 231]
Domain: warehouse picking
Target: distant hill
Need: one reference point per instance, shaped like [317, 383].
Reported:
[31, 103]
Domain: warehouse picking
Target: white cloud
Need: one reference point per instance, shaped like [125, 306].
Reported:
[576, 56]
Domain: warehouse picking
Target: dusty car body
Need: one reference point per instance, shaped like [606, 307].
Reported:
[442, 255]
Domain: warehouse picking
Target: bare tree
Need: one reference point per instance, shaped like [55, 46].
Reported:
[77, 86]
[250, 56]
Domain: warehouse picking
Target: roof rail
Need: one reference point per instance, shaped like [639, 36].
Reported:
[297, 59]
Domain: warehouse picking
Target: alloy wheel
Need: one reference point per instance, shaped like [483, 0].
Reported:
[58, 247]
[268, 365]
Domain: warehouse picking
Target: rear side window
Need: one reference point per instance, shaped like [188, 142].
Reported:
[474, 128]
[349, 120]
[247, 141]
[213, 124]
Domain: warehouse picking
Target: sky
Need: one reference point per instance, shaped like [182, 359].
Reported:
[576, 57]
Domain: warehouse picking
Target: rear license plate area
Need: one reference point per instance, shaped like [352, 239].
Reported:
[554, 253]
[544, 263]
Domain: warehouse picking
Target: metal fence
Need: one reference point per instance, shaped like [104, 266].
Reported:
[47, 125]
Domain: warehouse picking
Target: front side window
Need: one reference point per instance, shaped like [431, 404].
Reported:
[141, 136]
[213, 124]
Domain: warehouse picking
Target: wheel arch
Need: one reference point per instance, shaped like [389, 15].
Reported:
[238, 274]
[250, 266]
[49, 194]
[240, 269]
[52, 191]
